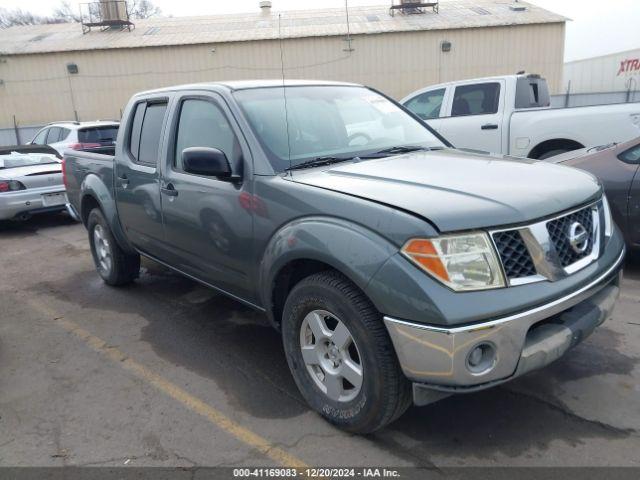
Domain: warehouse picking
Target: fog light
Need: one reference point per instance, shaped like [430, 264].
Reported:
[481, 358]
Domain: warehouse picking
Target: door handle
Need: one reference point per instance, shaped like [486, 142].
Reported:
[489, 126]
[123, 180]
[169, 190]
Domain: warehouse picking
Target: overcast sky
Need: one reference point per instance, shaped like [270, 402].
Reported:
[598, 27]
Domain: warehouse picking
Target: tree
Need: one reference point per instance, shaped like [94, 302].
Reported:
[9, 18]
[64, 13]
[141, 9]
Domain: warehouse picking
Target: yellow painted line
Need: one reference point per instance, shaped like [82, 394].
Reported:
[194, 404]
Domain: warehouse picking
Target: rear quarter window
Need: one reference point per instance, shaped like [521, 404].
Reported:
[54, 135]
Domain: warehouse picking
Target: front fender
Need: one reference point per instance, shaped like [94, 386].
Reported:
[356, 251]
[93, 186]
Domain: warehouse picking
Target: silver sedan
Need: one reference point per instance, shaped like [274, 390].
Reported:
[30, 182]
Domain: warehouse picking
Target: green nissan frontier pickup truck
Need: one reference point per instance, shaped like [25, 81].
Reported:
[397, 268]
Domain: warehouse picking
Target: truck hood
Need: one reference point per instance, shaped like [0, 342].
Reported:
[460, 190]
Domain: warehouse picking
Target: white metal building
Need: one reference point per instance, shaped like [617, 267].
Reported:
[55, 72]
[617, 72]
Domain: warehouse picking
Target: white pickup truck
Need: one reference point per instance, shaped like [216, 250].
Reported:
[511, 115]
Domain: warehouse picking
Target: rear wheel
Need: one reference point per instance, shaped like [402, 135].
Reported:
[341, 356]
[114, 265]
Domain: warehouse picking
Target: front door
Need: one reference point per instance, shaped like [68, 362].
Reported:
[474, 118]
[208, 228]
[137, 176]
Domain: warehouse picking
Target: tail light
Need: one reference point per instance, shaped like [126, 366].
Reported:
[63, 165]
[83, 146]
[11, 186]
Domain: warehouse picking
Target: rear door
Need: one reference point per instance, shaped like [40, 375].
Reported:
[208, 221]
[137, 175]
[474, 116]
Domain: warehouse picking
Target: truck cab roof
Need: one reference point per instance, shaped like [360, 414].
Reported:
[494, 78]
[247, 84]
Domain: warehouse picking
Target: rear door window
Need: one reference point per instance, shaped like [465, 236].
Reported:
[136, 127]
[64, 133]
[54, 135]
[478, 99]
[150, 133]
[146, 131]
[427, 105]
[41, 137]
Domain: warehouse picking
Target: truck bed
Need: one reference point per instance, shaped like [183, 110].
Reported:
[79, 164]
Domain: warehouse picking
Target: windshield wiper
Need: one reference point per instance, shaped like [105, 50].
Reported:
[328, 160]
[402, 149]
[318, 162]
[397, 150]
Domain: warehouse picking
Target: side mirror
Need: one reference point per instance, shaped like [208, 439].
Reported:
[211, 162]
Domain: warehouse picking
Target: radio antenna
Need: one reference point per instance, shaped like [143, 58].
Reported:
[284, 88]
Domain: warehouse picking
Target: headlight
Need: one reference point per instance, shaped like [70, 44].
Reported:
[608, 221]
[462, 262]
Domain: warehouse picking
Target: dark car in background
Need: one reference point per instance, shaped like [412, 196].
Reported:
[617, 166]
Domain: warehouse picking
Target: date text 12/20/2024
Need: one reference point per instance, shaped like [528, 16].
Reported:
[365, 472]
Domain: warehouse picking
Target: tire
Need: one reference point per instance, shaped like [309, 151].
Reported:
[384, 392]
[553, 153]
[114, 265]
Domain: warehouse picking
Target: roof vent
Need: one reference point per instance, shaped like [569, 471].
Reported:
[517, 7]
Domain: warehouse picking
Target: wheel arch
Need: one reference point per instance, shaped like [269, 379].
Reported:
[554, 144]
[311, 245]
[95, 194]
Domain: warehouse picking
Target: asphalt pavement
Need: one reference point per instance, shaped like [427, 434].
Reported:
[168, 373]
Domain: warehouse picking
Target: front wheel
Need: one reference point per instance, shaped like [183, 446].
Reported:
[114, 265]
[341, 356]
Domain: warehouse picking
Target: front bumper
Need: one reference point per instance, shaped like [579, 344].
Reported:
[30, 201]
[438, 358]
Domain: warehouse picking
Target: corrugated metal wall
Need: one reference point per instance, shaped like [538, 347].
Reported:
[37, 89]
[604, 74]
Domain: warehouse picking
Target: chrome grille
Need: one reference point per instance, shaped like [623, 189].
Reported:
[516, 260]
[544, 250]
[559, 230]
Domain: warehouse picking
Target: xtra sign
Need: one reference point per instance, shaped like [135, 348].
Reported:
[630, 65]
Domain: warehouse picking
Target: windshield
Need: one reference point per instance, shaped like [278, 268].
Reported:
[16, 160]
[336, 121]
[102, 135]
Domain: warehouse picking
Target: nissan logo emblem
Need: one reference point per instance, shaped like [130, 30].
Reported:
[578, 237]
